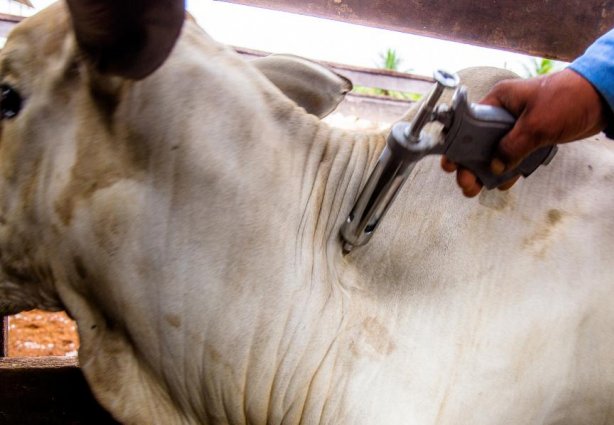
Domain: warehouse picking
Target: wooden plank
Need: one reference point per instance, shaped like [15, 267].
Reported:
[4, 336]
[375, 109]
[7, 17]
[7, 22]
[47, 391]
[559, 29]
[385, 79]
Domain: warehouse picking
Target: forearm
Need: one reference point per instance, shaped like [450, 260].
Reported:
[597, 66]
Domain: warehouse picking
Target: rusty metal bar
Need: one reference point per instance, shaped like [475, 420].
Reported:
[560, 29]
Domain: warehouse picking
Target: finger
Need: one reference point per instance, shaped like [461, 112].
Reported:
[468, 182]
[514, 147]
[497, 166]
[465, 178]
[447, 165]
[508, 184]
[472, 191]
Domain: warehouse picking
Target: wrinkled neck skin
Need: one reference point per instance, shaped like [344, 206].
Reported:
[218, 268]
[189, 223]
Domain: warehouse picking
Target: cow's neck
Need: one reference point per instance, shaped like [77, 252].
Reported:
[278, 266]
[250, 231]
[315, 299]
[336, 166]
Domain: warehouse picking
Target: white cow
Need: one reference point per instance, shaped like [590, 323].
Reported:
[189, 222]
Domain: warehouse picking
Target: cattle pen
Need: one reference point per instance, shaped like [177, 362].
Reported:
[52, 390]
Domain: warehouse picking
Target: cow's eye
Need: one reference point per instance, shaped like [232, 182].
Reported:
[10, 102]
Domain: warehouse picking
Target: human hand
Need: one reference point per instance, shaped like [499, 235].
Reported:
[554, 109]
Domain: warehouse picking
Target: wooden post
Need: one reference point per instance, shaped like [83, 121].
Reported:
[4, 336]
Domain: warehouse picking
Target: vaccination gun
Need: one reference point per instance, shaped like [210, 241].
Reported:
[469, 138]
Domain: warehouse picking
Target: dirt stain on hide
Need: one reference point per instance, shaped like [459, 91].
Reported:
[28, 190]
[173, 320]
[496, 200]
[104, 156]
[541, 240]
[528, 352]
[372, 338]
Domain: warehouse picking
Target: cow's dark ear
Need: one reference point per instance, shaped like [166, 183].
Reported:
[128, 38]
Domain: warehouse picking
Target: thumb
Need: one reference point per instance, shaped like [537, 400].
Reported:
[511, 95]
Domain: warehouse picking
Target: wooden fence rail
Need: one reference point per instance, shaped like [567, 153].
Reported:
[7, 22]
[4, 332]
[47, 391]
[558, 29]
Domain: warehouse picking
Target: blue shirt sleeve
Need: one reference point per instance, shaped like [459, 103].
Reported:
[597, 66]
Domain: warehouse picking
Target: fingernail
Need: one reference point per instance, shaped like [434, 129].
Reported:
[497, 166]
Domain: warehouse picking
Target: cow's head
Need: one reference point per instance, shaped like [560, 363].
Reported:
[63, 74]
